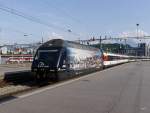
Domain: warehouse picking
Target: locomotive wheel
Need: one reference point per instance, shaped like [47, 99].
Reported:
[40, 76]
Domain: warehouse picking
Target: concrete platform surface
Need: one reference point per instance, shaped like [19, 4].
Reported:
[121, 89]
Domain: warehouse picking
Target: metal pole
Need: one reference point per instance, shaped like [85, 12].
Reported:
[125, 46]
[100, 42]
[137, 30]
[148, 50]
[0, 34]
[137, 36]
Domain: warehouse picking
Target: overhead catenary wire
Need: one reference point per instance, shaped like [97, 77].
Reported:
[62, 11]
[33, 19]
[18, 31]
[67, 14]
[14, 30]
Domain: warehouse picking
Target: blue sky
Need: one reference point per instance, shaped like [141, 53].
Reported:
[85, 18]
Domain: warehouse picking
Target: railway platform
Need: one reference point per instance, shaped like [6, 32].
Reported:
[121, 89]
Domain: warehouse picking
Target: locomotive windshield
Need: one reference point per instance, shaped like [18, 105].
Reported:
[50, 57]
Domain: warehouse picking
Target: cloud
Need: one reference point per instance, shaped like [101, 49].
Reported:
[140, 33]
[54, 35]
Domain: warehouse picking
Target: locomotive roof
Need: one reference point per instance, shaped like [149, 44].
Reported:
[65, 43]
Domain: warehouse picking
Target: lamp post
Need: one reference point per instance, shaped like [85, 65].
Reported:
[137, 25]
[25, 35]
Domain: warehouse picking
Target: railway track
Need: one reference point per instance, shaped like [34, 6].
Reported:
[9, 89]
[27, 83]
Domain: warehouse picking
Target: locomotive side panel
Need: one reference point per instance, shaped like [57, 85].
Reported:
[83, 59]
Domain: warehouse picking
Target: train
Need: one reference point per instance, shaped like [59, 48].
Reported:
[59, 57]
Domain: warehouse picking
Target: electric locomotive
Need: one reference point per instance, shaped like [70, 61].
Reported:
[61, 57]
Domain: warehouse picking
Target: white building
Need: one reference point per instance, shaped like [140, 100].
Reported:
[4, 50]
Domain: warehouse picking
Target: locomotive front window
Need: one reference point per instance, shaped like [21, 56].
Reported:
[50, 56]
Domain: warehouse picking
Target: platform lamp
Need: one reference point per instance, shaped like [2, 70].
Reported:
[137, 25]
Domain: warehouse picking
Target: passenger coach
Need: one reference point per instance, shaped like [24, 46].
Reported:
[111, 59]
[60, 57]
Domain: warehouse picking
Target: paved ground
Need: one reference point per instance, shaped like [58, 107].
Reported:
[13, 68]
[121, 89]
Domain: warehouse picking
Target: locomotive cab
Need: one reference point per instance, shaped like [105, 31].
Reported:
[48, 58]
